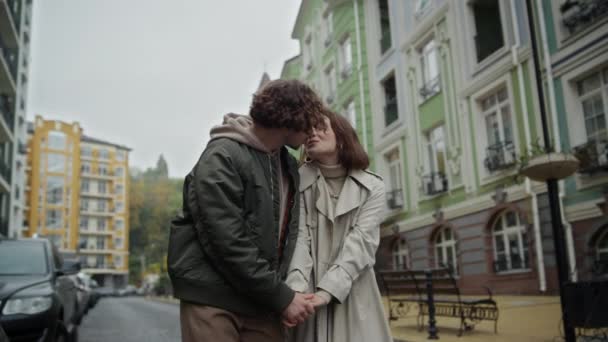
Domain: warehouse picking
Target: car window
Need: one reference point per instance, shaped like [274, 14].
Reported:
[22, 258]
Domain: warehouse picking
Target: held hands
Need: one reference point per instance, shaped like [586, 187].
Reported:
[302, 307]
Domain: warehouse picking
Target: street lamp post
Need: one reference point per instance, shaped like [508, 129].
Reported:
[552, 188]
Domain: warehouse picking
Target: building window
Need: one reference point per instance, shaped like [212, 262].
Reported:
[57, 141]
[101, 224]
[330, 84]
[117, 261]
[496, 111]
[84, 205]
[56, 162]
[84, 222]
[350, 113]
[100, 261]
[101, 205]
[104, 153]
[56, 240]
[101, 187]
[101, 243]
[54, 219]
[394, 196]
[102, 169]
[86, 151]
[445, 250]
[576, 15]
[391, 110]
[118, 243]
[488, 27]
[346, 58]
[84, 185]
[307, 53]
[119, 224]
[119, 172]
[85, 168]
[121, 155]
[120, 207]
[435, 180]
[401, 255]
[430, 70]
[119, 189]
[592, 92]
[385, 26]
[510, 243]
[54, 190]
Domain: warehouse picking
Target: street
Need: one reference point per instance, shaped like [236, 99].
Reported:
[131, 319]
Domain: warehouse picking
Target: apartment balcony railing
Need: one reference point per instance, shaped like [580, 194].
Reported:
[500, 156]
[391, 111]
[7, 113]
[11, 57]
[5, 171]
[577, 14]
[15, 10]
[394, 199]
[593, 156]
[430, 88]
[434, 183]
[347, 70]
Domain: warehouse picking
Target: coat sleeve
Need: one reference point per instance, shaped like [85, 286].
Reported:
[359, 248]
[223, 231]
[300, 269]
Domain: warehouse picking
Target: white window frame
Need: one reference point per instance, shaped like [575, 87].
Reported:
[432, 163]
[519, 230]
[602, 90]
[429, 55]
[444, 245]
[401, 253]
[346, 57]
[350, 112]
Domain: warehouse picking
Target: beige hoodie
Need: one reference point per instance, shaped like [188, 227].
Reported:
[240, 128]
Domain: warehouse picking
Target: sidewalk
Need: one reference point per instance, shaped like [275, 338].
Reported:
[522, 318]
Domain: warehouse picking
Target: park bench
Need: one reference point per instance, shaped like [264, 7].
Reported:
[434, 292]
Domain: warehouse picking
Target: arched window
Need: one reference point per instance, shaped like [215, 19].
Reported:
[401, 255]
[445, 249]
[510, 243]
[601, 253]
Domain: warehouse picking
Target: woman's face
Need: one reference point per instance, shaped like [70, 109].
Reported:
[321, 144]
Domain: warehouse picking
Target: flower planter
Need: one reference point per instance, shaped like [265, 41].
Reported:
[550, 166]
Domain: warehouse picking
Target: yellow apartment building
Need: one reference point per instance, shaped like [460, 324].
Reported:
[77, 196]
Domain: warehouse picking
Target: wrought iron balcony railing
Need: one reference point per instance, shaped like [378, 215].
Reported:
[394, 199]
[593, 156]
[434, 183]
[500, 156]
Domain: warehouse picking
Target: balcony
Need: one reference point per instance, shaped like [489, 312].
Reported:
[391, 111]
[10, 56]
[434, 183]
[593, 156]
[8, 116]
[578, 14]
[500, 156]
[8, 25]
[5, 172]
[394, 199]
[15, 7]
[430, 88]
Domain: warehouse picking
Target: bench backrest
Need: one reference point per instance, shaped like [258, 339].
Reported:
[401, 282]
[414, 282]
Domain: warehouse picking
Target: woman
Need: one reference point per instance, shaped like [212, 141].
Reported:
[341, 206]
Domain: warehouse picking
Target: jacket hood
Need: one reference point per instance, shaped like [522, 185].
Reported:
[239, 128]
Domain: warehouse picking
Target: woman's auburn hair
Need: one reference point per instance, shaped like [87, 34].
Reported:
[351, 154]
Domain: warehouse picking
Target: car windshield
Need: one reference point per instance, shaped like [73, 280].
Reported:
[22, 258]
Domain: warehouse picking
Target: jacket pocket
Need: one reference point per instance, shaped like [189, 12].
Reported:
[182, 246]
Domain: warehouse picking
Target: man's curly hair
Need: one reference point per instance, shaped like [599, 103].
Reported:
[287, 104]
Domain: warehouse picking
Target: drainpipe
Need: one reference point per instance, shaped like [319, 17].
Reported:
[556, 135]
[360, 71]
[540, 257]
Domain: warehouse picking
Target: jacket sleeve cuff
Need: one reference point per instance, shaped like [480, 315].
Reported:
[297, 281]
[337, 282]
[283, 298]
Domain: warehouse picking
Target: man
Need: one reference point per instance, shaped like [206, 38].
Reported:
[243, 198]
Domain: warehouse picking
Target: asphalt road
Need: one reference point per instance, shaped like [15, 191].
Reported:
[131, 319]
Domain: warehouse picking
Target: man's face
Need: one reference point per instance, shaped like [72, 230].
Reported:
[296, 139]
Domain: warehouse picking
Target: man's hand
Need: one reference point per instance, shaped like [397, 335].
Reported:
[298, 310]
[320, 300]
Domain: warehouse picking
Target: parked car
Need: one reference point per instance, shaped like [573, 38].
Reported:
[83, 294]
[37, 298]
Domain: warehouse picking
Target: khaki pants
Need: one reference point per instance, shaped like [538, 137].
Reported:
[202, 323]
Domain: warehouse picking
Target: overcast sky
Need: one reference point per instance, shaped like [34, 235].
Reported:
[154, 75]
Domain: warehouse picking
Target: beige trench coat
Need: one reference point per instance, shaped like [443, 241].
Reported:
[356, 313]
